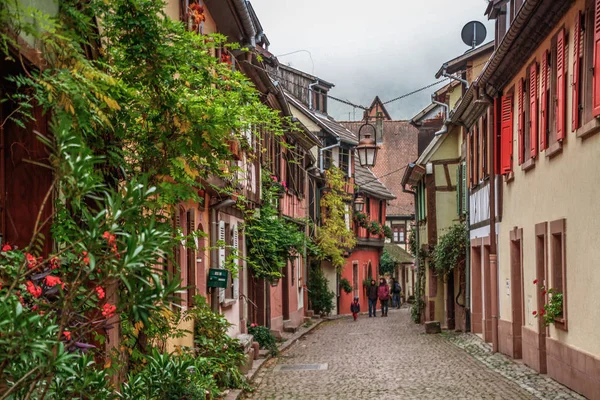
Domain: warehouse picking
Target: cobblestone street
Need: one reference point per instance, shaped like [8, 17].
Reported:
[391, 358]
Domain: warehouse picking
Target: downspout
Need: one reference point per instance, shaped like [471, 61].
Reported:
[246, 19]
[446, 107]
[321, 151]
[492, 123]
[214, 293]
[456, 78]
[417, 239]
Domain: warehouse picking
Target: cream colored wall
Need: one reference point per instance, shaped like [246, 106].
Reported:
[563, 187]
[445, 202]
[172, 11]
[331, 276]
[455, 95]
[304, 120]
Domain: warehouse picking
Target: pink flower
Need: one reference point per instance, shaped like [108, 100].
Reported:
[100, 292]
[274, 178]
[35, 291]
[253, 325]
[108, 310]
[6, 247]
[53, 281]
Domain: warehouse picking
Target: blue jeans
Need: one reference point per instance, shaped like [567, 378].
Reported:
[396, 300]
[373, 307]
[384, 306]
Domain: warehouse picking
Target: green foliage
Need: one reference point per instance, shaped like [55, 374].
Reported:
[333, 237]
[319, 295]
[346, 286]
[412, 241]
[553, 310]
[451, 249]
[417, 309]
[222, 353]
[387, 232]
[272, 240]
[375, 228]
[387, 263]
[264, 337]
[361, 219]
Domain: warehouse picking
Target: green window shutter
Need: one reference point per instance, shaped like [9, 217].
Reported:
[465, 197]
[458, 189]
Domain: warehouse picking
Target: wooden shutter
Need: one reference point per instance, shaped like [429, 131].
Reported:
[576, 77]
[221, 255]
[521, 124]
[544, 102]
[533, 110]
[560, 85]
[506, 134]
[236, 247]
[596, 70]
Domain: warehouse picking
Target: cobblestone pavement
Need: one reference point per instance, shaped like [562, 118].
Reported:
[391, 358]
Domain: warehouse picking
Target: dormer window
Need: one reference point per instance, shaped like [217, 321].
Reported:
[319, 100]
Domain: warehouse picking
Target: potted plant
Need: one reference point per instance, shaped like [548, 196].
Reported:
[346, 286]
[374, 228]
[361, 219]
[387, 232]
[552, 311]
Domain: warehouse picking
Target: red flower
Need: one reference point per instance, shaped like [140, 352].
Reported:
[534, 313]
[86, 259]
[535, 282]
[108, 310]
[54, 263]
[6, 247]
[35, 291]
[31, 260]
[544, 292]
[110, 238]
[100, 292]
[67, 335]
[274, 178]
[53, 281]
[542, 312]
[253, 325]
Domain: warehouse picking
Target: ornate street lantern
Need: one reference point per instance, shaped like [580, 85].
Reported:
[359, 203]
[367, 146]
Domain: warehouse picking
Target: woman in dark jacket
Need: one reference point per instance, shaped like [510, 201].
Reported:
[372, 296]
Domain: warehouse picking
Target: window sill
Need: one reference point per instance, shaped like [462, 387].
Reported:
[554, 149]
[528, 165]
[561, 323]
[588, 129]
[228, 303]
[508, 178]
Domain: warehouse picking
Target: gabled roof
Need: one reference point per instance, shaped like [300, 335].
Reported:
[399, 255]
[377, 105]
[319, 81]
[424, 113]
[460, 63]
[368, 183]
[327, 123]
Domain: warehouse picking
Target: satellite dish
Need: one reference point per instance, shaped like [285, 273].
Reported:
[473, 33]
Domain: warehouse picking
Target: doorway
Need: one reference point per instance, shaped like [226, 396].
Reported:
[476, 295]
[450, 318]
[516, 295]
[285, 288]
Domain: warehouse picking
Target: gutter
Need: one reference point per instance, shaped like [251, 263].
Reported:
[242, 8]
[447, 121]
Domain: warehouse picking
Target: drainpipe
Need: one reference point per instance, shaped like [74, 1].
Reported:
[321, 151]
[404, 190]
[456, 78]
[310, 98]
[242, 8]
[214, 293]
[446, 107]
[492, 123]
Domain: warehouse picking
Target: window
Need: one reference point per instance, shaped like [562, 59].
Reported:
[484, 147]
[399, 233]
[344, 164]
[421, 212]
[368, 205]
[586, 62]
[558, 266]
[319, 100]
[553, 105]
[228, 254]
[380, 220]
[355, 278]
[524, 120]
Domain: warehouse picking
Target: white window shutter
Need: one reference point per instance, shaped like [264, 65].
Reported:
[236, 247]
[221, 255]
[347, 216]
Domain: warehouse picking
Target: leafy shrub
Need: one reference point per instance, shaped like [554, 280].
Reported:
[387, 232]
[319, 295]
[361, 219]
[451, 249]
[346, 286]
[264, 337]
[387, 263]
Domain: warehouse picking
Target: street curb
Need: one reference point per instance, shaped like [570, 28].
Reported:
[257, 365]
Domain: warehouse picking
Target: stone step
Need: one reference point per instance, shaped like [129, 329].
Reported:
[433, 327]
[310, 313]
[289, 327]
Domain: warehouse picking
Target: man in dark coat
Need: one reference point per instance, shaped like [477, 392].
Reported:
[372, 296]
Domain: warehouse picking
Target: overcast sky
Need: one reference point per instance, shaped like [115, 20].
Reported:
[370, 47]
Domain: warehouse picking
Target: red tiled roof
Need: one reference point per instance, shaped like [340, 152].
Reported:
[399, 148]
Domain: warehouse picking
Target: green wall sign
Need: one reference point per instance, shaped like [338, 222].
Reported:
[217, 278]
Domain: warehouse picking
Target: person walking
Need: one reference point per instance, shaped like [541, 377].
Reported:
[372, 296]
[396, 290]
[383, 293]
[355, 308]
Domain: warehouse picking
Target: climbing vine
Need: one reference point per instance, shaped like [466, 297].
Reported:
[451, 249]
[334, 238]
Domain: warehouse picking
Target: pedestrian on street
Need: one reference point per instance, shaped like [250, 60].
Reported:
[383, 292]
[396, 290]
[355, 308]
[372, 296]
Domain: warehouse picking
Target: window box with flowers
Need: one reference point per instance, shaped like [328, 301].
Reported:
[361, 219]
[375, 228]
[387, 232]
[552, 311]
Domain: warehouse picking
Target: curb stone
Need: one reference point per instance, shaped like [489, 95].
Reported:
[258, 364]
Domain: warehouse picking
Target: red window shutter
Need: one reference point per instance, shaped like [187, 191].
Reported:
[506, 134]
[576, 55]
[521, 115]
[596, 79]
[543, 105]
[533, 110]
[560, 85]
